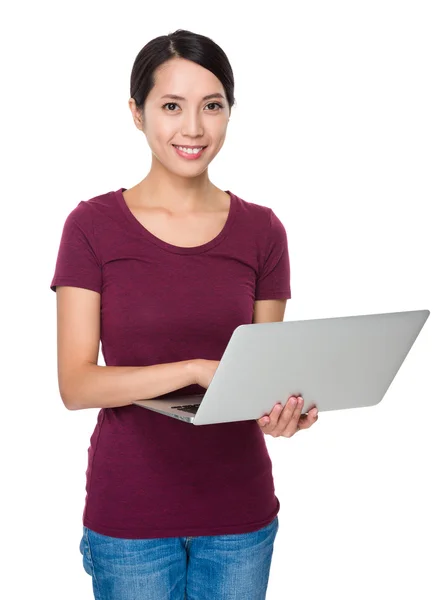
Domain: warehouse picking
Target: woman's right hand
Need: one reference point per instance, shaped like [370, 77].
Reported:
[204, 370]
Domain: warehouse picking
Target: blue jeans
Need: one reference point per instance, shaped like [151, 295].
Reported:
[217, 567]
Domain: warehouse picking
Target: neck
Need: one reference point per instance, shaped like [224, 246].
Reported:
[175, 193]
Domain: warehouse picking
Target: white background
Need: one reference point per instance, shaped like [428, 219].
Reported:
[339, 127]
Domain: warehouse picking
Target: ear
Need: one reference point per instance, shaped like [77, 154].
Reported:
[138, 116]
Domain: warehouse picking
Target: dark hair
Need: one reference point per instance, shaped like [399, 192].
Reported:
[183, 44]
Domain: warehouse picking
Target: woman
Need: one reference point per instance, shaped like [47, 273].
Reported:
[161, 274]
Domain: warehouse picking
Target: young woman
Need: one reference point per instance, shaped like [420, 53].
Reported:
[161, 274]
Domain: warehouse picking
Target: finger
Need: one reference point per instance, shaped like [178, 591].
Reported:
[272, 418]
[307, 420]
[289, 417]
[280, 417]
[293, 424]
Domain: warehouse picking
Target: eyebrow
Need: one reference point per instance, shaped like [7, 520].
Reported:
[175, 97]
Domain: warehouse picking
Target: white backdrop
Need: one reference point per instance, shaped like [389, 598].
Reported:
[338, 127]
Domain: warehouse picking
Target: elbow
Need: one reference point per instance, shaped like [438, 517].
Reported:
[71, 405]
[67, 399]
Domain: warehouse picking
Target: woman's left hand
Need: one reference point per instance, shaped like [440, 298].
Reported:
[288, 420]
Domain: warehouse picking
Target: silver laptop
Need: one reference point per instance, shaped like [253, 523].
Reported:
[333, 363]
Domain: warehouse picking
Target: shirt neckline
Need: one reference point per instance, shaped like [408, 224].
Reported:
[139, 229]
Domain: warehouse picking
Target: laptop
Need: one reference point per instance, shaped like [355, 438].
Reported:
[333, 363]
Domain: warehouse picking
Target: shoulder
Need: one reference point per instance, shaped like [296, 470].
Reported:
[88, 212]
[261, 216]
[257, 213]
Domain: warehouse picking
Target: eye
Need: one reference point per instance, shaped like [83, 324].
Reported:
[215, 104]
[170, 104]
[209, 104]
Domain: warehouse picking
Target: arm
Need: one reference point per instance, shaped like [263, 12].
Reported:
[83, 383]
[267, 311]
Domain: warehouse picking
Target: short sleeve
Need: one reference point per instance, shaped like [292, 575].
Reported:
[77, 263]
[273, 281]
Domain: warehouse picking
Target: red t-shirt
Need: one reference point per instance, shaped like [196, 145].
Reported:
[150, 475]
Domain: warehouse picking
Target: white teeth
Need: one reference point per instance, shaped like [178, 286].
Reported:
[190, 150]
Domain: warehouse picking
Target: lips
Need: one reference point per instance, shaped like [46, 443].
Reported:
[190, 147]
[189, 155]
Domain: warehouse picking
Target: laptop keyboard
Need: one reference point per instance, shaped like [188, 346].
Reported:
[191, 408]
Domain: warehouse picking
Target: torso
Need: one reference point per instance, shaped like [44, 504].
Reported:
[184, 230]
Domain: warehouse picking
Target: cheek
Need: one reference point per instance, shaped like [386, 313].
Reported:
[160, 132]
[221, 136]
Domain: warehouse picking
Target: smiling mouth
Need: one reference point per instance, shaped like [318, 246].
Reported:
[188, 147]
[189, 153]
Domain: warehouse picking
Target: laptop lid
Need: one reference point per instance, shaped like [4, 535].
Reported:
[334, 363]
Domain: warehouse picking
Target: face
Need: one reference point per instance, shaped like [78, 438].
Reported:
[193, 121]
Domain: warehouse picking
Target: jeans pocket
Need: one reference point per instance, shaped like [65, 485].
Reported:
[84, 548]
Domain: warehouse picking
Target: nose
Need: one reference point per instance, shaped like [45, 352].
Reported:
[191, 125]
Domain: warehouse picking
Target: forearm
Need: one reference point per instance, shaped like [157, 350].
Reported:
[97, 386]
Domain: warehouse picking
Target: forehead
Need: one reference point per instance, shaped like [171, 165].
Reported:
[185, 78]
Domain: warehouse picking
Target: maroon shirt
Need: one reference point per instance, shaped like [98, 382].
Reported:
[150, 475]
